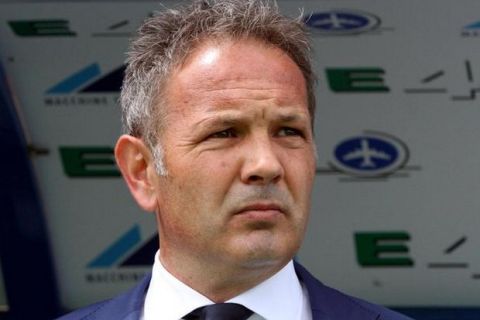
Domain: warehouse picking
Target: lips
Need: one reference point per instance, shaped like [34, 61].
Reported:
[261, 207]
[261, 210]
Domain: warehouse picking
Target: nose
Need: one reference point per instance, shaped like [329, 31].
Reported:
[262, 165]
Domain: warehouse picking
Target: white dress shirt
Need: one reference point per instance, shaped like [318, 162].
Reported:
[281, 297]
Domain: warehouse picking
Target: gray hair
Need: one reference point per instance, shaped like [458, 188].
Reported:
[165, 40]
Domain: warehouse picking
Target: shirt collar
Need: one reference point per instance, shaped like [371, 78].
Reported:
[279, 297]
[169, 298]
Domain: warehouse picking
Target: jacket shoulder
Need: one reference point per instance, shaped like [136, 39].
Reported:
[331, 304]
[86, 312]
[381, 312]
[127, 306]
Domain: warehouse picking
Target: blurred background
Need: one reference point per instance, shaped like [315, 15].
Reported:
[396, 205]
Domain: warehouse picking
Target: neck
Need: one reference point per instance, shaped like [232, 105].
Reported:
[219, 282]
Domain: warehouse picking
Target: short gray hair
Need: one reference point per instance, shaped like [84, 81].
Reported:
[165, 40]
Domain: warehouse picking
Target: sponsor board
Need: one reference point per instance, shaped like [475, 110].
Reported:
[124, 260]
[87, 86]
[369, 156]
[342, 22]
[412, 214]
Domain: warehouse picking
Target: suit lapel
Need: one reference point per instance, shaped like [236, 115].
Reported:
[329, 304]
[128, 306]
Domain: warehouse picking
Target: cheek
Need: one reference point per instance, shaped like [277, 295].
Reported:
[218, 167]
[300, 176]
[301, 162]
[224, 164]
[204, 186]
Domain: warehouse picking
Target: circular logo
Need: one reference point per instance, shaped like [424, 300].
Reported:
[370, 155]
[342, 22]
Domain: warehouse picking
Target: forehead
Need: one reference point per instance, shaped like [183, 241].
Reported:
[236, 69]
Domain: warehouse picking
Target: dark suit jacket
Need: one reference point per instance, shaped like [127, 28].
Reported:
[326, 304]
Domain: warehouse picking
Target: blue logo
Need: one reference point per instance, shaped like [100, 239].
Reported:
[370, 155]
[473, 26]
[342, 22]
[88, 80]
[471, 30]
[127, 251]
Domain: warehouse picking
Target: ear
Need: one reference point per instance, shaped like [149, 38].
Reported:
[135, 162]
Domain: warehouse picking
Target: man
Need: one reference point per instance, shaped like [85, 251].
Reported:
[218, 107]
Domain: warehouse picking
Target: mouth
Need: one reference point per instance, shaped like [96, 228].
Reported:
[261, 211]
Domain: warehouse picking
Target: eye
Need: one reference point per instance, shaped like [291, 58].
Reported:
[289, 132]
[228, 133]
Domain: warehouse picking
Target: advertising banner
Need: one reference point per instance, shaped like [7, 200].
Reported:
[396, 203]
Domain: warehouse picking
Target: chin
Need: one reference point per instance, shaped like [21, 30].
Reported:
[267, 257]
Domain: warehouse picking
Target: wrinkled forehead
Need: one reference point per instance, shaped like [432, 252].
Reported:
[227, 58]
[216, 66]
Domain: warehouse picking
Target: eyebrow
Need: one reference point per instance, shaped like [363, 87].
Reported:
[228, 119]
[216, 120]
[291, 117]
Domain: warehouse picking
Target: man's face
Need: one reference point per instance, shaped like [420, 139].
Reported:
[240, 158]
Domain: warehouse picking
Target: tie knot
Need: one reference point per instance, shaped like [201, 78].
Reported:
[220, 311]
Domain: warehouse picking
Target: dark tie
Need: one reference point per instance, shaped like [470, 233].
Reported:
[220, 311]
